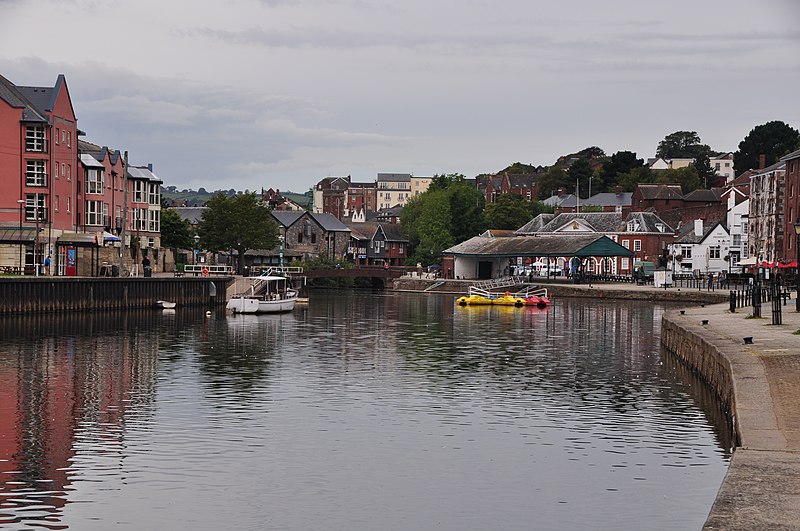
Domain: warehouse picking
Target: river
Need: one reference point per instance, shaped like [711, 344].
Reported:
[358, 411]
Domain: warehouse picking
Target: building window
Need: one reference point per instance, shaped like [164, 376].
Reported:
[35, 174]
[313, 237]
[34, 139]
[625, 264]
[64, 135]
[35, 207]
[69, 172]
[626, 244]
[69, 204]
[94, 181]
[637, 245]
[57, 133]
[686, 251]
[300, 237]
[139, 191]
[94, 212]
[713, 252]
[154, 194]
[56, 203]
[154, 221]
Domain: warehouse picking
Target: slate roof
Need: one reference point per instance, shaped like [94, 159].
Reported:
[687, 235]
[546, 245]
[287, 218]
[11, 94]
[792, 155]
[601, 222]
[536, 224]
[706, 196]
[606, 199]
[557, 200]
[138, 172]
[190, 214]
[394, 177]
[660, 191]
[329, 222]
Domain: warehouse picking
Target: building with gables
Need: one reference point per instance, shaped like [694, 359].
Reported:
[644, 233]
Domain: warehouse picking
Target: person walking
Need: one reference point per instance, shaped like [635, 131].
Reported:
[47, 265]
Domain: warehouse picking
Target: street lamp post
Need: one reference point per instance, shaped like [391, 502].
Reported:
[797, 269]
[281, 237]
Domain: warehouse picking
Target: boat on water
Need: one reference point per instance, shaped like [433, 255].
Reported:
[166, 305]
[482, 295]
[268, 293]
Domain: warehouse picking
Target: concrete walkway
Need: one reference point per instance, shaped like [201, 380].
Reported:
[762, 487]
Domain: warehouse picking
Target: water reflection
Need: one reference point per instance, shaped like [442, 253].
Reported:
[358, 411]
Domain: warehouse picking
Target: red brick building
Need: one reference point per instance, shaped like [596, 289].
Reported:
[791, 209]
[38, 169]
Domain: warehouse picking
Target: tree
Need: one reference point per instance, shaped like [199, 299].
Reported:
[681, 145]
[176, 232]
[772, 139]
[508, 212]
[618, 163]
[239, 223]
[449, 212]
[553, 179]
[687, 177]
[640, 175]
[704, 170]
[580, 172]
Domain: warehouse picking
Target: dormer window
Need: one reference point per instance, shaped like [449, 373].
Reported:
[660, 227]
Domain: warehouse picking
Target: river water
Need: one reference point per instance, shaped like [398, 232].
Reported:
[359, 411]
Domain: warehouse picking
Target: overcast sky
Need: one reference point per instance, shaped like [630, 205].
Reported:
[248, 94]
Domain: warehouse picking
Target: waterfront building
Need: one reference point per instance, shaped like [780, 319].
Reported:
[644, 233]
[766, 229]
[393, 189]
[38, 168]
[791, 207]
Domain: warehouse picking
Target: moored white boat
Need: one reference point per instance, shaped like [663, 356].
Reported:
[167, 305]
[267, 294]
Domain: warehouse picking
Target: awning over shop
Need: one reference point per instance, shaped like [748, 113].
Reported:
[747, 261]
[18, 235]
[78, 239]
[108, 237]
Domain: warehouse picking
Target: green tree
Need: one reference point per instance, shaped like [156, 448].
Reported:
[176, 232]
[704, 170]
[239, 223]
[508, 212]
[772, 139]
[552, 180]
[618, 163]
[640, 175]
[449, 212]
[681, 145]
[687, 177]
[579, 174]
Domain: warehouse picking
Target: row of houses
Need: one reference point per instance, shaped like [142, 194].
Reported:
[61, 193]
[309, 235]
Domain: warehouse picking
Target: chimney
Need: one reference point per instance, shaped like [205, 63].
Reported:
[618, 190]
[762, 161]
[698, 228]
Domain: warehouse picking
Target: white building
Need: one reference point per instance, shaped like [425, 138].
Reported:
[393, 189]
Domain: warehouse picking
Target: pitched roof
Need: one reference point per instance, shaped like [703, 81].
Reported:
[547, 245]
[793, 155]
[660, 191]
[687, 234]
[708, 196]
[287, 218]
[609, 199]
[11, 94]
[536, 224]
[601, 222]
[329, 222]
[191, 214]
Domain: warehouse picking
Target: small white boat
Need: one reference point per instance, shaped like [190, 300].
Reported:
[267, 294]
[166, 305]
